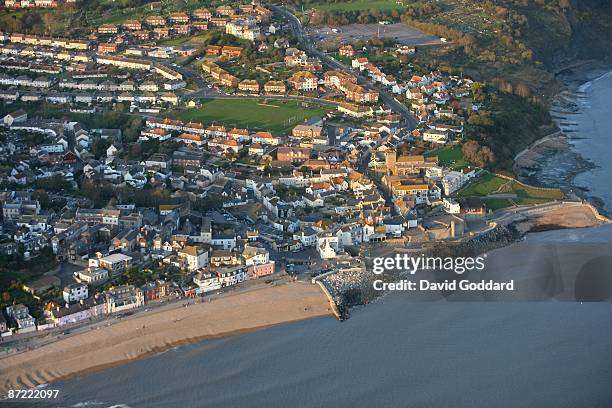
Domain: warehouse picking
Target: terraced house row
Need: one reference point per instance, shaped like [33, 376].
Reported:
[242, 23]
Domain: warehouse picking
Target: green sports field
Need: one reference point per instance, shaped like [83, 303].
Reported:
[273, 115]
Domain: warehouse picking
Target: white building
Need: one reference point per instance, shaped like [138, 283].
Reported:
[454, 180]
[224, 241]
[435, 136]
[308, 237]
[451, 206]
[115, 264]
[327, 246]
[232, 276]
[124, 298]
[195, 257]
[207, 281]
[92, 276]
[75, 292]
[255, 255]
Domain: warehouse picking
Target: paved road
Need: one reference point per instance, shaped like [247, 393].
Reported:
[387, 98]
[203, 87]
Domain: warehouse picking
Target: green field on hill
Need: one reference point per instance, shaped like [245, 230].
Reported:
[274, 115]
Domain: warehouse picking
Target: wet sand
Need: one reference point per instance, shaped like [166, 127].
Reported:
[155, 331]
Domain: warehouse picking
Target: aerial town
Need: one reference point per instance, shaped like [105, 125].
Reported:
[192, 152]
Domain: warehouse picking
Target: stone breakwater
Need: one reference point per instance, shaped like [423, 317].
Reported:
[355, 287]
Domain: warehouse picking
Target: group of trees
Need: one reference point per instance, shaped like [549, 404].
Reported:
[482, 156]
[15, 270]
[104, 194]
[53, 184]
[504, 125]
[33, 21]
[142, 150]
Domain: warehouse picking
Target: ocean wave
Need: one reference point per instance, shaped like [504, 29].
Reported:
[587, 85]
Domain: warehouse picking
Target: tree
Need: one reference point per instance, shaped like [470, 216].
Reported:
[480, 119]
[133, 129]
[42, 197]
[478, 91]
[481, 156]
[55, 183]
[522, 90]
[99, 146]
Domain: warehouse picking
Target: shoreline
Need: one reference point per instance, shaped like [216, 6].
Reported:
[148, 334]
[553, 160]
[162, 349]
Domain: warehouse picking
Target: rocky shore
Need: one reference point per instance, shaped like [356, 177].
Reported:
[553, 161]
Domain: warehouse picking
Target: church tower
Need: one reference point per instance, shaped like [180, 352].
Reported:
[390, 157]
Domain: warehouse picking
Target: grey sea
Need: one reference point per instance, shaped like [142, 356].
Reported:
[593, 126]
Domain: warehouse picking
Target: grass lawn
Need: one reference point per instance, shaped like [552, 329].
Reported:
[497, 203]
[485, 185]
[533, 193]
[275, 116]
[525, 195]
[358, 5]
[119, 15]
[451, 157]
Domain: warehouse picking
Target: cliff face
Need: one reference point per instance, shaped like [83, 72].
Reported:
[592, 29]
[582, 32]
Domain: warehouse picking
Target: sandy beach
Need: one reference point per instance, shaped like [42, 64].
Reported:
[574, 216]
[154, 331]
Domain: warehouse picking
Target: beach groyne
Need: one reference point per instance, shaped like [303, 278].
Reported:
[330, 298]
